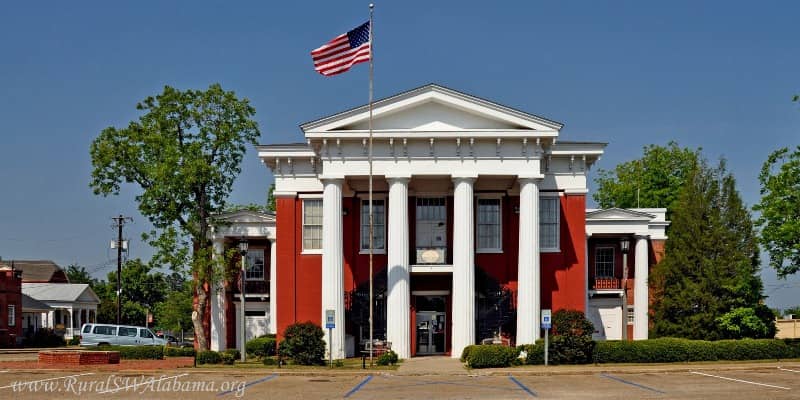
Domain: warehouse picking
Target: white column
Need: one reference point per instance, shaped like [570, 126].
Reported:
[218, 332]
[333, 263]
[273, 287]
[463, 266]
[640, 295]
[528, 271]
[398, 299]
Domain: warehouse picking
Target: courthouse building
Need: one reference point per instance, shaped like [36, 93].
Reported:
[480, 222]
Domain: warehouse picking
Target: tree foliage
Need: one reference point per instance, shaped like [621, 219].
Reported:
[779, 210]
[183, 154]
[711, 264]
[143, 289]
[658, 176]
[78, 274]
[743, 322]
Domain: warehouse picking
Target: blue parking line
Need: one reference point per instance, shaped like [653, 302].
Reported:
[358, 387]
[632, 383]
[523, 387]
[264, 379]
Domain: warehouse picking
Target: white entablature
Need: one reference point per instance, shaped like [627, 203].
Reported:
[432, 131]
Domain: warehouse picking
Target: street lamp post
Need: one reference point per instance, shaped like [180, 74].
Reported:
[624, 245]
[243, 335]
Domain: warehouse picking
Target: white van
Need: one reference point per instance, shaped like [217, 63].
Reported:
[118, 335]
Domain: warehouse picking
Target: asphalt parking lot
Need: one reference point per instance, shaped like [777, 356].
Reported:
[773, 381]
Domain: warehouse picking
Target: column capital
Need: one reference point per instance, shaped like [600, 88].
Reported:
[397, 179]
[335, 179]
[640, 237]
[464, 177]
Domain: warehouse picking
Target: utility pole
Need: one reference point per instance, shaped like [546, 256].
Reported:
[119, 222]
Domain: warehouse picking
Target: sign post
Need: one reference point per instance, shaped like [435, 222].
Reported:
[546, 323]
[330, 323]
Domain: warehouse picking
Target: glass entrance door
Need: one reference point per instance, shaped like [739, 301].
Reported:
[431, 328]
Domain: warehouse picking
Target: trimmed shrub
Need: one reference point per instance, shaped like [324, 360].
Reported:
[228, 357]
[388, 358]
[302, 342]
[261, 347]
[208, 357]
[534, 353]
[465, 352]
[572, 338]
[44, 337]
[491, 356]
[269, 361]
[134, 352]
[682, 350]
[179, 352]
[74, 341]
[235, 353]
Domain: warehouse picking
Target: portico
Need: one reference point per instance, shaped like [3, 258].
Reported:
[462, 187]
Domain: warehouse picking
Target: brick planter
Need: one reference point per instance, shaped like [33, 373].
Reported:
[78, 357]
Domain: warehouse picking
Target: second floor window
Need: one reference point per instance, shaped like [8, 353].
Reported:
[548, 223]
[489, 225]
[378, 225]
[312, 224]
[604, 262]
[255, 265]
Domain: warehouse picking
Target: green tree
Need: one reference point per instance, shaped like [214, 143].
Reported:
[779, 210]
[743, 322]
[183, 153]
[654, 180]
[271, 198]
[77, 274]
[175, 312]
[142, 289]
[711, 264]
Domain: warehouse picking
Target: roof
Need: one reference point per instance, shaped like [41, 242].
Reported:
[60, 292]
[38, 270]
[29, 304]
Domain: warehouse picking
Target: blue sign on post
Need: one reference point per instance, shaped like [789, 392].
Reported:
[330, 319]
[545, 319]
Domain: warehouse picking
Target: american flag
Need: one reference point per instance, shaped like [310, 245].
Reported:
[343, 51]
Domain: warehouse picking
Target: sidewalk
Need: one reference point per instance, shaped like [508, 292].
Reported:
[433, 365]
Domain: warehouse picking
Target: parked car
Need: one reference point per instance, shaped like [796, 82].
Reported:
[173, 341]
[118, 335]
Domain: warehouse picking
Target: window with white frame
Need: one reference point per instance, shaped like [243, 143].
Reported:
[630, 315]
[312, 224]
[12, 315]
[255, 265]
[548, 223]
[604, 262]
[489, 225]
[378, 225]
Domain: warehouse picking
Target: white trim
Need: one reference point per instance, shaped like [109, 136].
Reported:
[304, 196]
[431, 269]
[263, 266]
[613, 261]
[303, 227]
[311, 251]
[489, 196]
[557, 197]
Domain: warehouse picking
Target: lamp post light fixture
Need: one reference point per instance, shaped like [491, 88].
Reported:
[625, 246]
[243, 335]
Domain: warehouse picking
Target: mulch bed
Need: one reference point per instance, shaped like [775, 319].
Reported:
[167, 363]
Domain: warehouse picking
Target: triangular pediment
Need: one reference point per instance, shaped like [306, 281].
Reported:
[433, 108]
[246, 217]
[618, 214]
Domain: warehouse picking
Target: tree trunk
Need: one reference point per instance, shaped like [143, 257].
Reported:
[198, 316]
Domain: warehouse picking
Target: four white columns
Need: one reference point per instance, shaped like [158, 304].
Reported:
[333, 264]
[398, 299]
[528, 270]
[463, 332]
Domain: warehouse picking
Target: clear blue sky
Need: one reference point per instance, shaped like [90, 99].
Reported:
[718, 75]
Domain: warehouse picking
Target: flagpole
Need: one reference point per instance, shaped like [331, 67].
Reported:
[369, 158]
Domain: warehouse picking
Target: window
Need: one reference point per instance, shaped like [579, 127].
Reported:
[255, 265]
[12, 315]
[145, 333]
[489, 225]
[548, 223]
[105, 330]
[630, 315]
[123, 331]
[87, 328]
[604, 262]
[378, 225]
[312, 224]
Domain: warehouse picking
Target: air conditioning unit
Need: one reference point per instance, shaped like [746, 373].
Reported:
[431, 255]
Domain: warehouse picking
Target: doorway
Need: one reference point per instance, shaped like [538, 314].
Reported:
[431, 320]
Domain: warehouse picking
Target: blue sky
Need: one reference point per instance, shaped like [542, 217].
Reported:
[716, 75]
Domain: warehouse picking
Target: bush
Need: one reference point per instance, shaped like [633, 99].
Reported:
[44, 337]
[235, 353]
[134, 352]
[683, 350]
[303, 343]
[208, 357]
[76, 340]
[534, 353]
[465, 352]
[179, 352]
[491, 356]
[572, 338]
[269, 361]
[261, 347]
[388, 358]
[229, 357]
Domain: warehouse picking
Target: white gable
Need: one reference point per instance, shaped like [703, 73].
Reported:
[433, 116]
[618, 214]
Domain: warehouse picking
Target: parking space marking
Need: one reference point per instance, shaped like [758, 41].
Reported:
[788, 370]
[148, 382]
[741, 380]
[358, 387]
[620, 380]
[248, 384]
[452, 383]
[523, 387]
[45, 380]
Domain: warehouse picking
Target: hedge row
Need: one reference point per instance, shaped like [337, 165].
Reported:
[179, 352]
[134, 352]
[261, 347]
[227, 357]
[680, 350]
[489, 356]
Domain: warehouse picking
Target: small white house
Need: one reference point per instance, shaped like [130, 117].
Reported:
[72, 305]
